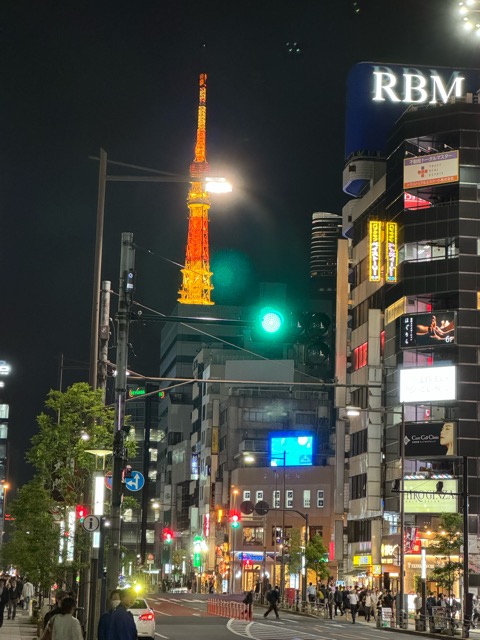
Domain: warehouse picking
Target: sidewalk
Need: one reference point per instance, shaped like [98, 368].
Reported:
[18, 629]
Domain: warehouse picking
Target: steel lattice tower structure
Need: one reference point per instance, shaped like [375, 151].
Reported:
[196, 284]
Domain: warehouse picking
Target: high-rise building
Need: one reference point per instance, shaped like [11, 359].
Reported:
[413, 166]
[326, 230]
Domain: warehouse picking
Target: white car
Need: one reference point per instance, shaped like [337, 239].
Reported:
[144, 618]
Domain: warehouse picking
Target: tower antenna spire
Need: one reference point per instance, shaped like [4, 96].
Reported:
[196, 283]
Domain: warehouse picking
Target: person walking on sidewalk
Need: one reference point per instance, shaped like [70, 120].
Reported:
[353, 601]
[27, 593]
[273, 597]
[338, 602]
[14, 594]
[3, 599]
[369, 606]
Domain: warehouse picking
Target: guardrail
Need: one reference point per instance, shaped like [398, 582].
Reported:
[229, 609]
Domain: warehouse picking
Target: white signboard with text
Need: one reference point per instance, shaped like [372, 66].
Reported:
[428, 384]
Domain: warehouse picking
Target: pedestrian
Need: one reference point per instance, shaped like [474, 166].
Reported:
[311, 593]
[63, 626]
[59, 595]
[369, 605]
[248, 601]
[353, 601]
[106, 618]
[14, 594]
[338, 602]
[331, 603]
[122, 624]
[3, 599]
[258, 586]
[273, 598]
[27, 593]
[417, 604]
[431, 602]
[346, 602]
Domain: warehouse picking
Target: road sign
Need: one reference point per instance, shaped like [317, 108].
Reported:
[91, 524]
[136, 482]
[247, 507]
[262, 508]
[108, 479]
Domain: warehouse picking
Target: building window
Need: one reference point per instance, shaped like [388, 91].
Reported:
[276, 500]
[320, 498]
[246, 495]
[252, 536]
[3, 411]
[289, 498]
[358, 442]
[258, 496]
[358, 486]
[3, 431]
[306, 498]
[153, 455]
[315, 531]
[277, 535]
[150, 536]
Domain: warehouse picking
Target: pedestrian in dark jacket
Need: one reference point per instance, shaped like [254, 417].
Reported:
[3, 599]
[122, 625]
[273, 598]
[14, 594]
[106, 618]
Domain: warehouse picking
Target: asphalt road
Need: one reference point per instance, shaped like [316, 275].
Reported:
[184, 617]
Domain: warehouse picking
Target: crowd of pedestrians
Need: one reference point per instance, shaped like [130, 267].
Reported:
[14, 592]
[350, 601]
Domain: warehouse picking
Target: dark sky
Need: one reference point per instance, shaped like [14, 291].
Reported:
[77, 76]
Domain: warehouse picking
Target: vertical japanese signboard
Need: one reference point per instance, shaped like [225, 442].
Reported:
[391, 255]
[374, 252]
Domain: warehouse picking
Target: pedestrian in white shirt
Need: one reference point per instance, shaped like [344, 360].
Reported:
[353, 601]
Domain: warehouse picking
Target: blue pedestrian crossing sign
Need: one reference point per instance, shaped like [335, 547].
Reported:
[136, 482]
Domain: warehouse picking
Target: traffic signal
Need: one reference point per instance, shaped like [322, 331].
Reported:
[167, 535]
[234, 519]
[81, 512]
[271, 321]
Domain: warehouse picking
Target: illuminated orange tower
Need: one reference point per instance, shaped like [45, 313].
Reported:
[196, 284]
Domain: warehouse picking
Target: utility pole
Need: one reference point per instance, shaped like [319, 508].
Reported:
[126, 289]
[104, 335]
[149, 388]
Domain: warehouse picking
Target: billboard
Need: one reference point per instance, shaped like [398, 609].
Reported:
[374, 251]
[430, 439]
[436, 168]
[293, 449]
[428, 329]
[421, 496]
[428, 384]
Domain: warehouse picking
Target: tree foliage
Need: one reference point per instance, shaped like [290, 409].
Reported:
[315, 557]
[295, 551]
[34, 544]
[447, 542]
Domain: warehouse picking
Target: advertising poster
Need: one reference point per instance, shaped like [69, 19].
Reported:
[391, 257]
[428, 384]
[436, 168]
[428, 329]
[421, 496]
[374, 252]
[430, 439]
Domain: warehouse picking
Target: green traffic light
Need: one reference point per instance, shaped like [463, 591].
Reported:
[271, 320]
[235, 525]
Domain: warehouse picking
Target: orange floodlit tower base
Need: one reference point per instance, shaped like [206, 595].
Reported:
[196, 285]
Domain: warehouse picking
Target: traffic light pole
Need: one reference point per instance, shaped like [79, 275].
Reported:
[126, 288]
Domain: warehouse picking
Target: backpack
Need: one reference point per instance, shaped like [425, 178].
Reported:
[269, 596]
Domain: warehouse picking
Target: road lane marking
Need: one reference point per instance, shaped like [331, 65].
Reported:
[196, 614]
[160, 636]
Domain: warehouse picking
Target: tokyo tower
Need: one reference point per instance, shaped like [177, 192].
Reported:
[196, 283]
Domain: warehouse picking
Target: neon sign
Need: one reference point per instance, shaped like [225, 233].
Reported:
[391, 256]
[374, 253]
[414, 88]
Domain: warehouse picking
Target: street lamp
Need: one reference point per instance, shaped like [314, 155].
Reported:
[469, 13]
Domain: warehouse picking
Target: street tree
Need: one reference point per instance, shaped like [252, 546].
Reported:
[445, 544]
[315, 557]
[295, 551]
[34, 543]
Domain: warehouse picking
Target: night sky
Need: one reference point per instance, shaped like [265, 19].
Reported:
[77, 76]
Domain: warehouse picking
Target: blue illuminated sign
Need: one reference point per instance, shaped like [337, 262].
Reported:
[293, 449]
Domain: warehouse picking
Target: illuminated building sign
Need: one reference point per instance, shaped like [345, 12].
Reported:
[374, 253]
[194, 467]
[391, 257]
[362, 560]
[421, 496]
[413, 202]
[428, 384]
[395, 310]
[392, 85]
[437, 168]
[428, 329]
[430, 439]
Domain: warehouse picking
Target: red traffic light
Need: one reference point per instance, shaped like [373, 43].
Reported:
[167, 535]
[235, 518]
[81, 512]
